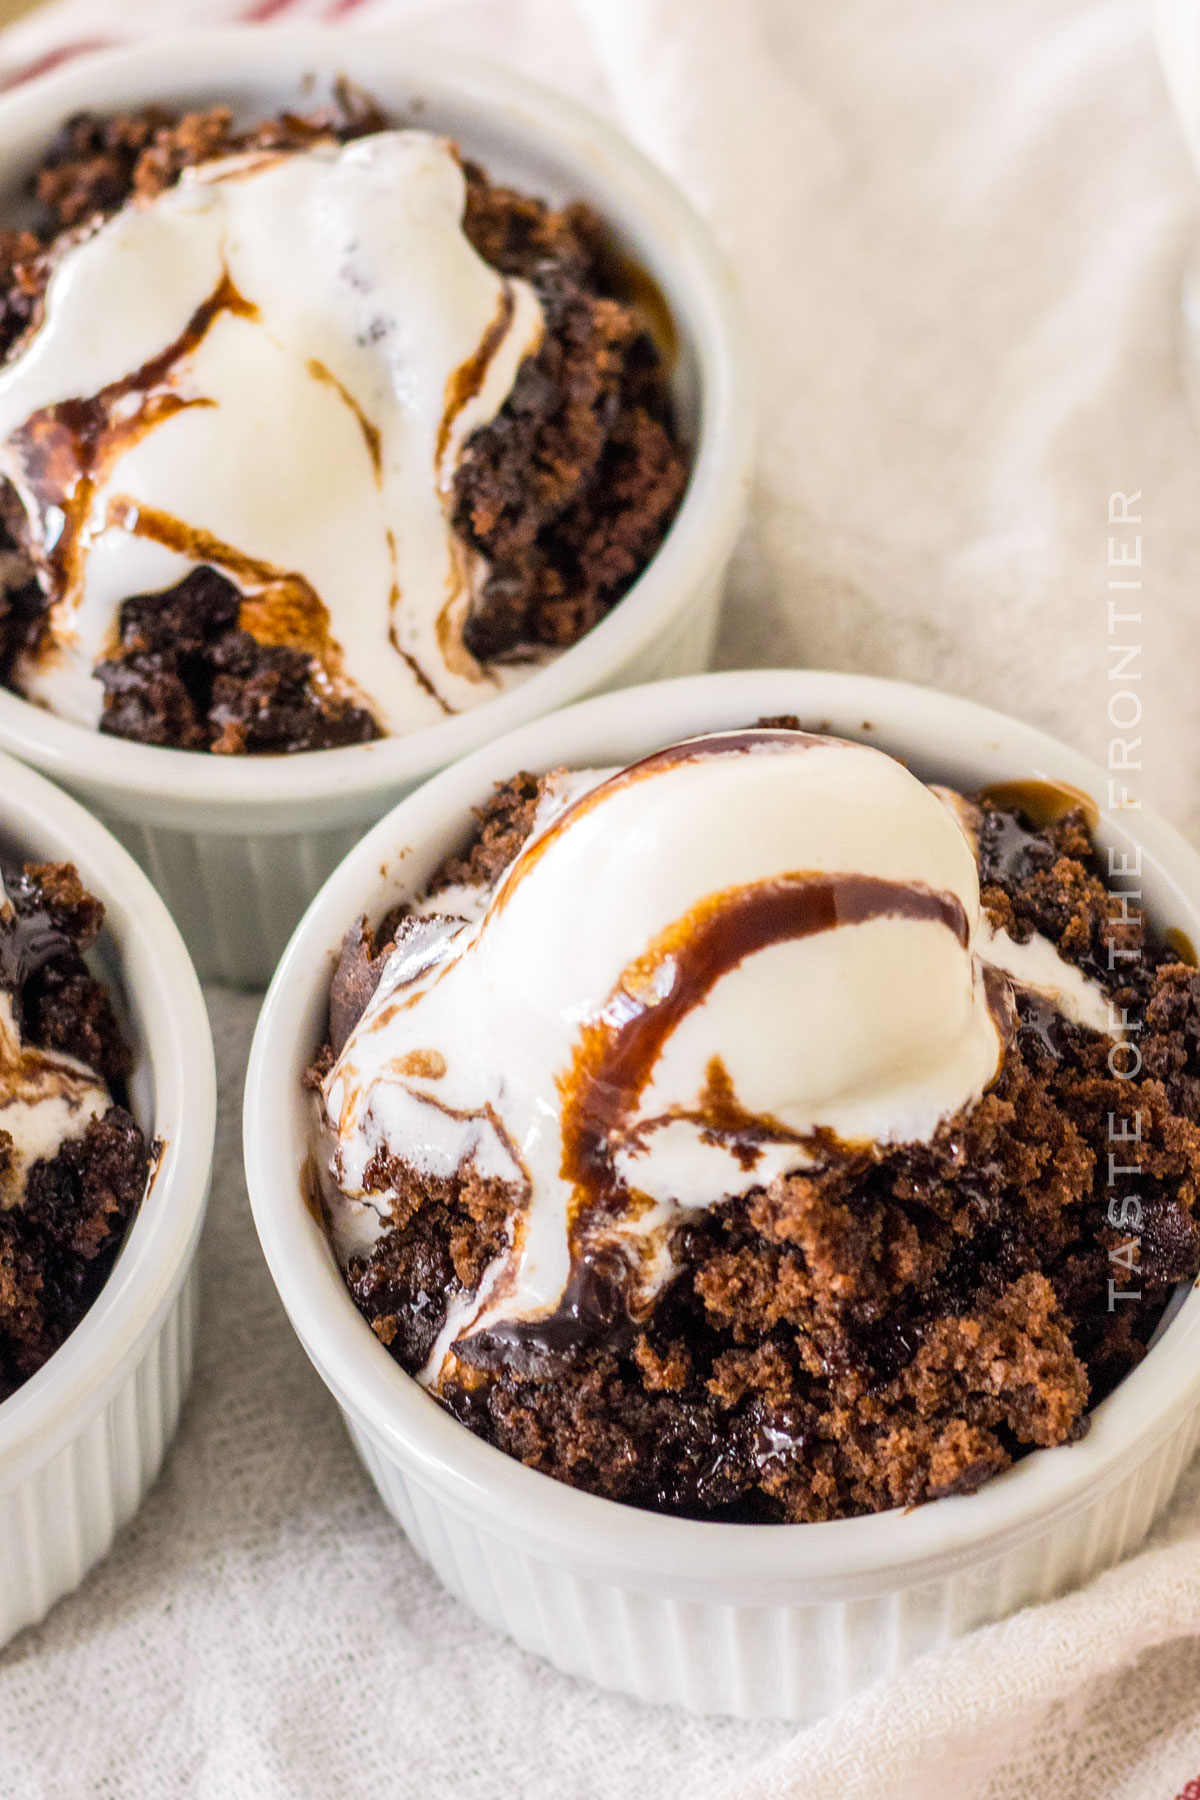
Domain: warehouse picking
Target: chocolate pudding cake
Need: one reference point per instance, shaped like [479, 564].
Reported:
[73, 1162]
[760, 1134]
[367, 436]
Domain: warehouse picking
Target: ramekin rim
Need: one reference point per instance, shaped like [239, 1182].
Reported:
[49, 1408]
[699, 539]
[469, 1473]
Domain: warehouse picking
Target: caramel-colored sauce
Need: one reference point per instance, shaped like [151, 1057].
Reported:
[313, 1195]
[279, 606]
[429, 1065]
[722, 1119]
[637, 288]
[1042, 802]
[414, 668]
[1182, 945]
[416, 671]
[67, 450]
[617, 1054]
[452, 617]
[158, 1149]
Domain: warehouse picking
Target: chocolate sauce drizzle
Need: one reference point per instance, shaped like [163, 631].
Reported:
[745, 741]
[721, 1119]
[278, 606]
[467, 380]
[614, 1061]
[618, 1051]
[65, 449]
[1042, 802]
[370, 431]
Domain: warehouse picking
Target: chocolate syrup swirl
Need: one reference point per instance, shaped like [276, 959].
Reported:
[743, 742]
[720, 1118]
[66, 449]
[619, 1050]
[468, 379]
[278, 606]
[615, 1061]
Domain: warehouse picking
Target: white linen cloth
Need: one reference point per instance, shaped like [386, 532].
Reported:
[961, 231]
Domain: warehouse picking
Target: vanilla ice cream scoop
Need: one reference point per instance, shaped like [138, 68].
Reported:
[731, 960]
[270, 368]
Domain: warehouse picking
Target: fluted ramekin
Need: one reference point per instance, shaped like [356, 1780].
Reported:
[84, 1438]
[239, 845]
[782, 1620]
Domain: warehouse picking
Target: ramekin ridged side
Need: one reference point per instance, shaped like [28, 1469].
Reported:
[239, 845]
[778, 1620]
[59, 1522]
[83, 1440]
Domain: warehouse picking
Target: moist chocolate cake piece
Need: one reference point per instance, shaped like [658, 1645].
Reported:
[567, 493]
[897, 1326]
[60, 1235]
[97, 162]
[188, 677]
[502, 825]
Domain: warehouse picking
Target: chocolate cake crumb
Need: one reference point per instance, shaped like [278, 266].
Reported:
[502, 825]
[898, 1326]
[59, 1241]
[187, 676]
[567, 493]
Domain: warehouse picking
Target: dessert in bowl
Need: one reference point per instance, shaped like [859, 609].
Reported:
[107, 1111]
[760, 1289]
[426, 412]
[362, 437]
[721, 1133]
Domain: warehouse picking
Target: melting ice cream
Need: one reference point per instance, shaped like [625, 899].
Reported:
[775, 950]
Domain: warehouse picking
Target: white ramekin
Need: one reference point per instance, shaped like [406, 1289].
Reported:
[238, 846]
[781, 1620]
[84, 1438]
